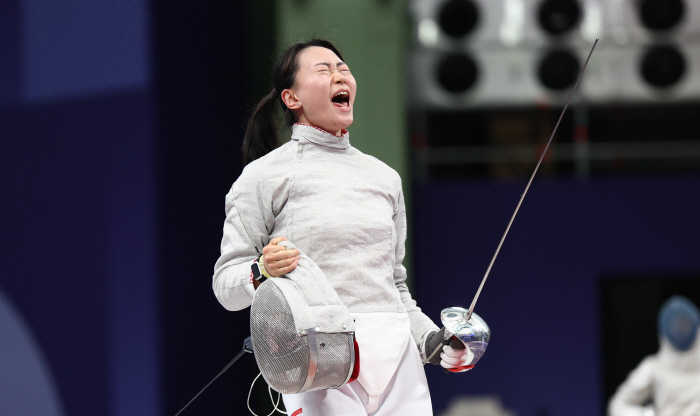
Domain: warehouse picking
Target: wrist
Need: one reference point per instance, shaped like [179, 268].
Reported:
[257, 271]
[423, 346]
[261, 262]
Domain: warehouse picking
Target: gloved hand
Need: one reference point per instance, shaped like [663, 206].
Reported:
[454, 355]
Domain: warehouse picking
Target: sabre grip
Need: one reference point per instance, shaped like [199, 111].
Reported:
[437, 338]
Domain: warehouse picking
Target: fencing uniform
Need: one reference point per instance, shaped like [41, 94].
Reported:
[670, 379]
[346, 211]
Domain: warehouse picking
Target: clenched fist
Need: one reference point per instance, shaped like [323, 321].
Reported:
[277, 260]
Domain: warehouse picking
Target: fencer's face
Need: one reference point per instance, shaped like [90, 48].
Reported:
[325, 90]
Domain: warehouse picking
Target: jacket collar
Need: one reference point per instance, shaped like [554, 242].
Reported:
[680, 360]
[307, 133]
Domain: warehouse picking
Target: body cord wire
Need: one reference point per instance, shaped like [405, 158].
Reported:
[269, 390]
[245, 349]
[233, 198]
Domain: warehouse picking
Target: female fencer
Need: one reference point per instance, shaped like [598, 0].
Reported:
[345, 211]
[666, 383]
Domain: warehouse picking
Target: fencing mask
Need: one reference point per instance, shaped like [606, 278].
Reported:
[303, 335]
[678, 322]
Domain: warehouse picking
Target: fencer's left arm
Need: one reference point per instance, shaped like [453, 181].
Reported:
[421, 325]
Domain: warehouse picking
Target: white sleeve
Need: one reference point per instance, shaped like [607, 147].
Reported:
[634, 392]
[421, 325]
[232, 280]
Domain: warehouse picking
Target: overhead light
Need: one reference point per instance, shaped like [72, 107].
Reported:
[558, 69]
[663, 66]
[559, 16]
[458, 17]
[457, 73]
[661, 14]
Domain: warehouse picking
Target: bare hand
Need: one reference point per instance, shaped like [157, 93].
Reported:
[277, 260]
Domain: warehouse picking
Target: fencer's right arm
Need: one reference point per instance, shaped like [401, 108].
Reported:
[634, 392]
[248, 211]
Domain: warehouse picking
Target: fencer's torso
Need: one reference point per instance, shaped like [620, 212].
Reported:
[341, 210]
[341, 207]
[670, 379]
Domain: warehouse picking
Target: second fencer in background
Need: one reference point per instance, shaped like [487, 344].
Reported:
[670, 379]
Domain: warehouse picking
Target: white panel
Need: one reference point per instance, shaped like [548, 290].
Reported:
[501, 20]
[508, 74]
[632, 30]
[505, 23]
[505, 77]
[615, 76]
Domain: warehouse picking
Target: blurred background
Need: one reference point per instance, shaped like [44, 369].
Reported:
[120, 127]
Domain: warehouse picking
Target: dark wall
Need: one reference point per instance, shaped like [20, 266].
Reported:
[541, 299]
[204, 70]
[61, 172]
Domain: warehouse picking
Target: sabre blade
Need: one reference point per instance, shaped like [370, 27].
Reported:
[498, 249]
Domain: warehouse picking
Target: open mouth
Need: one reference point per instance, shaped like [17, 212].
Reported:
[341, 99]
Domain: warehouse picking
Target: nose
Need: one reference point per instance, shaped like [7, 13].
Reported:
[339, 78]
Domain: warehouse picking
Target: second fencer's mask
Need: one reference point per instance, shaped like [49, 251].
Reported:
[679, 320]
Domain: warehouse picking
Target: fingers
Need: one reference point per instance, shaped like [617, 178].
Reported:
[453, 353]
[451, 358]
[277, 260]
[283, 265]
[276, 240]
[272, 247]
[282, 258]
[452, 365]
[274, 252]
[450, 362]
[279, 271]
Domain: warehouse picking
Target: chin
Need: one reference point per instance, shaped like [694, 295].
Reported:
[347, 122]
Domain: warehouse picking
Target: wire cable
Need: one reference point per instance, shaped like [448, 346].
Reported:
[247, 347]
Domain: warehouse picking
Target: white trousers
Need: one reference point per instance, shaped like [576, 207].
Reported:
[406, 395]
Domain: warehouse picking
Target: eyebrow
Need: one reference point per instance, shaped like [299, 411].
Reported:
[328, 64]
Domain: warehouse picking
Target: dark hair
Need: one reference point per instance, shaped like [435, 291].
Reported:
[261, 133]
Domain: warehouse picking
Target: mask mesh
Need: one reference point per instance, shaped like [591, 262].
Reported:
[283, 355]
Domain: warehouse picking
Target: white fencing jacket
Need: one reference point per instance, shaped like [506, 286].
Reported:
[670, 379]
[342, 208]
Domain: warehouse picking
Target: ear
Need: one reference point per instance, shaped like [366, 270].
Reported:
[290, 99]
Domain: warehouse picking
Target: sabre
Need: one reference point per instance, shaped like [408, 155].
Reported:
[458, 322]
[498, 249]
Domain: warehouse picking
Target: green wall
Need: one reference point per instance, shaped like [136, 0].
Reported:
[373, 36]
